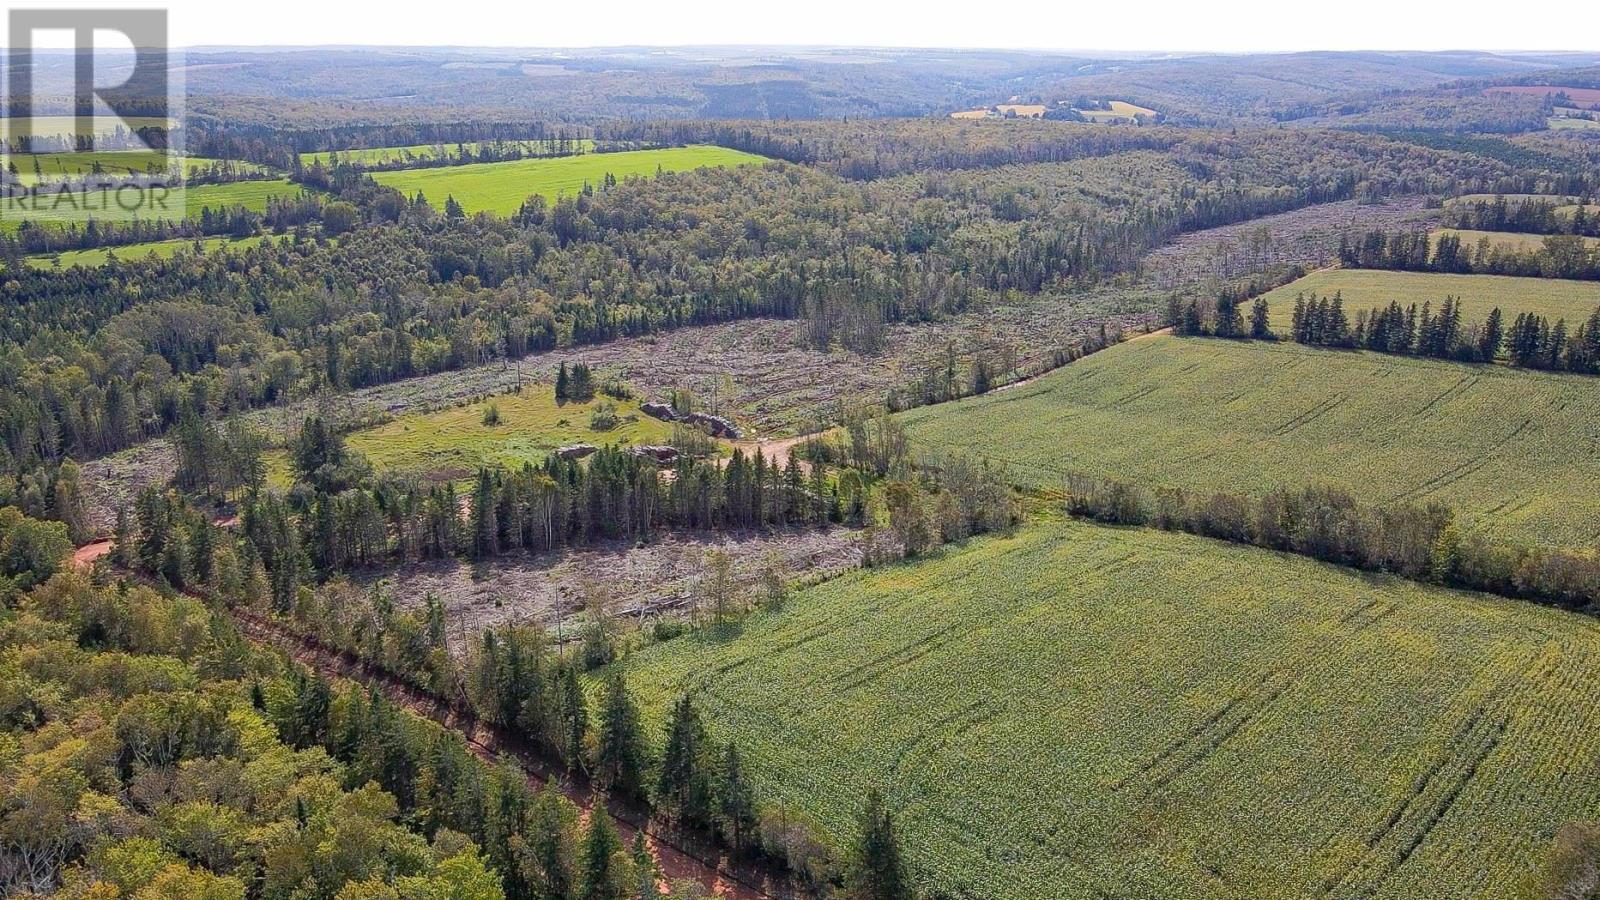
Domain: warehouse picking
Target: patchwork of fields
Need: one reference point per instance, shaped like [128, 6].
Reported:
[1364, 289]
[451, 444]
[1516, 452]
[502, 187]
[1082, 711]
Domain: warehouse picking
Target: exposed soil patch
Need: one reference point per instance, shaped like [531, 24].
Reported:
[84, 556]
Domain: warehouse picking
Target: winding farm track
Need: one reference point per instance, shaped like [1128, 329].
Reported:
[679, 855]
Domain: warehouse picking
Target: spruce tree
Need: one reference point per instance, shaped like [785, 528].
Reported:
[878, 871]
[681, 784]
[1260, 322]
[619, 751]
[736, 805]
[600, 878]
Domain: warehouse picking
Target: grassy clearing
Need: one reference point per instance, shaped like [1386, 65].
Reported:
[1119, 110]
[1365, 288]
[1514, 240]
[1560, 123]
[1516, 452]
[252, 195]
[1082, 711]
[502, 187]
[1510, 198]
[129, 252]
[425, 152]
[1593, 209]
[67, 126]
[113, 162]
[451, 444]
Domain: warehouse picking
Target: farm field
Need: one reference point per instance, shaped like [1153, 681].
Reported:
[1592, 209]
[1364, 289]
[1515, 452]
[252, 195]
[1561, 123]
[1080, 711]
[502, 187]
[64, 126]
[1119, 110]
[451, 444]
[116, 162]
[1580, 95]
[422, 152]
[1509, 198]
[128, 252]
[1515, 240]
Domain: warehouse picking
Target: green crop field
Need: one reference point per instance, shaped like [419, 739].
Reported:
[502, 187]
[1364, 289]
[1082, 711]
[128, 252]
[1516, 452]
[451, 444]
[252, 195]
[1515, 240]
[114, 162]
[421, 152]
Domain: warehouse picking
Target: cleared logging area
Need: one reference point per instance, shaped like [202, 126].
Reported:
[1086, 711]
[1517, 453]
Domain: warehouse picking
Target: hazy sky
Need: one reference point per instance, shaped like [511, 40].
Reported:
[1225, 25]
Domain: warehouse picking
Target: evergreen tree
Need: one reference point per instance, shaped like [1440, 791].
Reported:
[878, 872]
[682, 785]
[601, 878]
[1490, 338]
[574, 717]
[736, 805]
[1260, 323]
[619, 751]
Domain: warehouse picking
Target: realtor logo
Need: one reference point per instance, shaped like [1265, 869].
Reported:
[90, 132]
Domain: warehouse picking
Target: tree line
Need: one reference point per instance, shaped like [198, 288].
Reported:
[1559, 256]
[1529, 341]
[1422, 543]
[1527, 216]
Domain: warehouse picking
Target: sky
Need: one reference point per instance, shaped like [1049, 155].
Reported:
[1131, 25]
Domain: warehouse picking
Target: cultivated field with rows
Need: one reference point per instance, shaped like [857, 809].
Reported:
[1081, 711]
[1364, 289]
[1239, 416]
